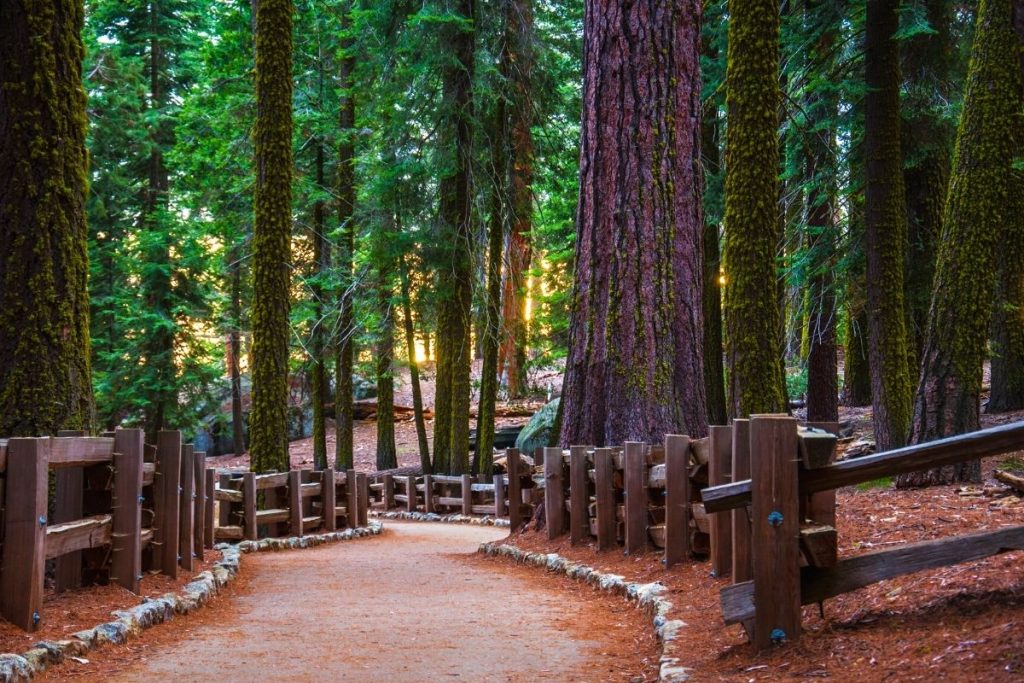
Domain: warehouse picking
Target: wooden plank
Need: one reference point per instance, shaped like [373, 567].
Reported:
[500, 506]
[186, 510]
[410, 487]
[230, 495]
[775, 529]
[483, 510]
[604, 470]
[24, 548]
[635, 497]
[677, 499]
[579, 496]
[949, 451]
[310, 490]
[145, 537]
[199, 500]
[818, 584]
[821, 506]
[741, 567]
[389, 491]
[67, 508]
[554, 492]
[467, 494]
[352, 501]
[720, 472]
[148, 472]
[249, 514]
[77, 535]
[126, 527]
[80, 451]
[168, 446]
[819, 545]
[447, 479]
[428, 493]
[513, 466]
[230, 533]
[363, 486]
[295, 501]
[209, 520]
[817, 448]
[328, 499]
[273, 516]
[271, 481]
[448, 501]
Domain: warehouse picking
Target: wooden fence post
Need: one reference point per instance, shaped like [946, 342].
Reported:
[579, 498]
[200, 504]
[351, 500]
[499, 495]
[607, 509]
[410, 488]
[24, 550]
[67, 508]
[428, 493]
[515, 490]
[740, 516]
[363, 491]
[328, 499]
[126, 522]
[224, 507]
[389, 492]
[467, 494]
[209, 522]
[249, 531]
[187, 509]
[677, 499]
[295, 501]
[775, 530]
[635, 497]
[169, 463]
[720, 472]
[554, 492]
[821, 506]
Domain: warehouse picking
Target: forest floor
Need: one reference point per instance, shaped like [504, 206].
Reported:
[413, 604]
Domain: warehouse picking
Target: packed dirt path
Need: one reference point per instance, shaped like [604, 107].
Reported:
[403, 606]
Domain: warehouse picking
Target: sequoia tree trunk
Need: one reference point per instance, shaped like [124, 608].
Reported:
[753, 230]
[978, 206]
[635, 368]
[886, 229]
[45, 378]
[714, 368]
[268, 420]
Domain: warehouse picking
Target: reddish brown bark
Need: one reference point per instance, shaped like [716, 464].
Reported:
[635, 364]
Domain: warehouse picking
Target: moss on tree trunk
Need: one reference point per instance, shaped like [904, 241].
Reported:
[753, 324]
[977, 208]
[635, 368]
[886, 229]
[268, 419]
[45, 378]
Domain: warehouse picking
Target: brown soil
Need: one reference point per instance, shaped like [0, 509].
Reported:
[411, 605]
[71, 611]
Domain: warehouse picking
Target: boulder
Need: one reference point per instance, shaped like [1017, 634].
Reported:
[538, 431]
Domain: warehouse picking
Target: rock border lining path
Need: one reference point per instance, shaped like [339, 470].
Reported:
[646, 596]
[15, 668]
[440, 519]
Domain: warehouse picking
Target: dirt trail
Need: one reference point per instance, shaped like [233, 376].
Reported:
[406, 606]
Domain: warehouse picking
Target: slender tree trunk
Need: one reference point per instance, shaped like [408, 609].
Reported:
[856, 366]
[714, 369]
[635, 369]
[414, 370]
[753, 323]
[978, 206]
[927, 138]
[451, 424]
[318, 343]
[268, 420]
[387, 455]
[235, 344]
[483, 456]
[343, 418]
[517, 68]
[45, 377]
[886, 229]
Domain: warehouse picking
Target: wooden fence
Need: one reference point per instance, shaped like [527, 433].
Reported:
[122, 507]
[786, 554]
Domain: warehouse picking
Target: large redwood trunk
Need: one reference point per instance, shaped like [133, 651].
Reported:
[635, 364]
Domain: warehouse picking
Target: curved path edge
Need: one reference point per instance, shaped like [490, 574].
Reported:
[19, 668]
[647, 596]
